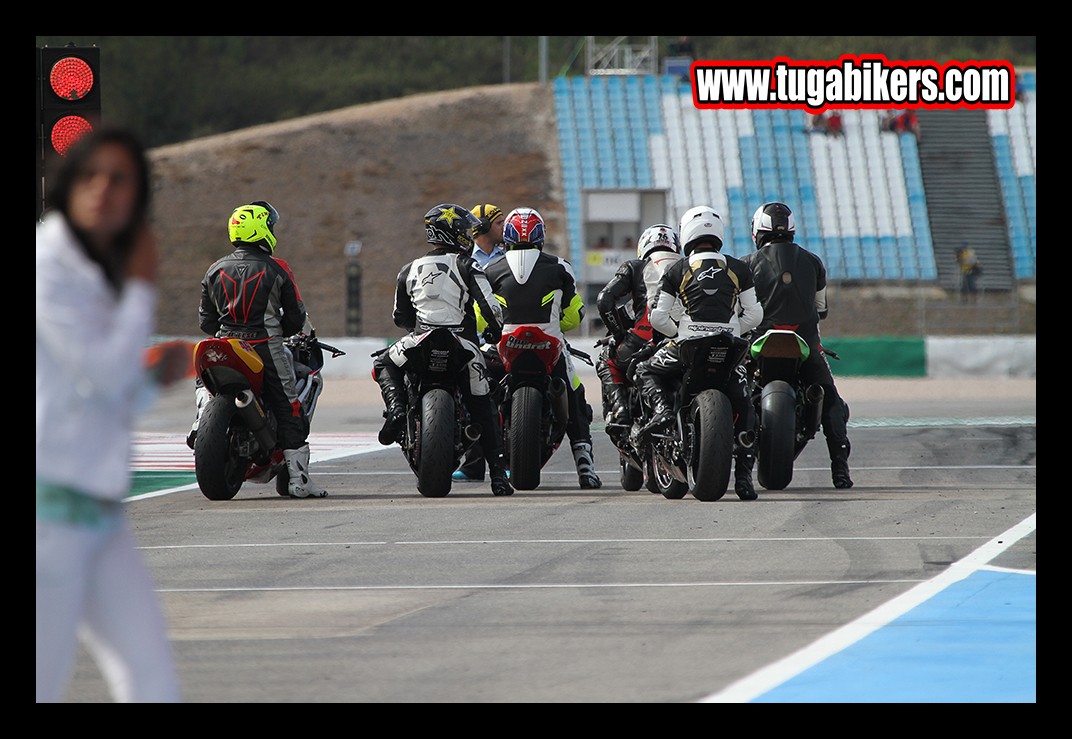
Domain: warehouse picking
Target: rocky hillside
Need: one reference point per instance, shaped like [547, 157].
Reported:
[369, 173]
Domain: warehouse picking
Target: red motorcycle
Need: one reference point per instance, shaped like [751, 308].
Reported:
[534, 404]
[236, 436]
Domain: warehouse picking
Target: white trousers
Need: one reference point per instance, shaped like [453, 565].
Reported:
[93, 584]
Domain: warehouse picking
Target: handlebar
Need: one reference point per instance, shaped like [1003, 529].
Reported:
[584, 357]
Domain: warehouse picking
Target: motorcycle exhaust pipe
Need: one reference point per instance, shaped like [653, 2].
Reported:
[472, 432]
[256, 419]
[813, 413]
[746, 439]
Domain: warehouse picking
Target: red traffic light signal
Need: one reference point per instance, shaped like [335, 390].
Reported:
[70, 98]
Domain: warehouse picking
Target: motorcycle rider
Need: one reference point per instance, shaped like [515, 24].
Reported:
[440, 289]
[539, 289]
[251, 294]
[791, 283]
[705, 292]
[488, 245]
[624, 304]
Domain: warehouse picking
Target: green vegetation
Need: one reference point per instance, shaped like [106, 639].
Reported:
[174, 88]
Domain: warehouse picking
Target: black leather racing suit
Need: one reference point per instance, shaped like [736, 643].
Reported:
[251, 295]
[791, 283]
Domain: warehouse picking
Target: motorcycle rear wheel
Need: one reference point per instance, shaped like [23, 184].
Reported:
[525, 438]
[776, 450]
[436, 461]
[712, 446]
[220, 468]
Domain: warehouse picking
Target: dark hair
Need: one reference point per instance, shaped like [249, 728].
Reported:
[67, 171]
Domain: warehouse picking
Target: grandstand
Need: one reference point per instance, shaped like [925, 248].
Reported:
[877, 206]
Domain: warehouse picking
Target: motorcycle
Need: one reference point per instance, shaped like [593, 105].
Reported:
[438, 426]
[533, 403]
[236, 438]
[788, 413]
[696, 456]
[636, 469]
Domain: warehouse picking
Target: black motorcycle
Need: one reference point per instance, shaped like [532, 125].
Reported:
[438, 425]
[788, 413]
[635, 461]
[697, 454]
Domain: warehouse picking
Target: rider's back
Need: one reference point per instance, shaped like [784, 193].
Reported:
[535, 288]
[787, 279]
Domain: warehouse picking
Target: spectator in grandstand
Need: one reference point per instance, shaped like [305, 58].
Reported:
[1021, 93]
[829, 123]
[906, 122]
[628, 245]
[970, 271]
[603, 243]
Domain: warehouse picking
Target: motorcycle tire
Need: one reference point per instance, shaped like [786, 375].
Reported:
[776, 448]
[525, 438]
[220, 468]
[435, 453]
[659, 481]
[631, 478]
[711, 448]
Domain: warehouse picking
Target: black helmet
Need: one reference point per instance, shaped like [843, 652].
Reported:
[449, 224]
[770, 221]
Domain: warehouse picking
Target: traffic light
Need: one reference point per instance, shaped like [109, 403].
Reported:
[70, 96]
[68, 102]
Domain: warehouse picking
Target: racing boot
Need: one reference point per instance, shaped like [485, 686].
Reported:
[839, 462]
[586, 474]
[391, 388]
[616, 405]
[301, 485]
[662, 411]
[500, 478]
[744, 460]
[482, 412]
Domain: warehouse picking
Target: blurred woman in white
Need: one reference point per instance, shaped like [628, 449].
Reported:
[96, 301]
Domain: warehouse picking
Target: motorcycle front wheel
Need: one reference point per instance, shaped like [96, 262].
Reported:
[631, 478]
[220, 467]
[436, 459]
[525, 438]
[711, 454]
[660, 482]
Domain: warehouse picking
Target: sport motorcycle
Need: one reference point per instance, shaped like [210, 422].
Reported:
[697, 453]
[533, 402]
[438, 425]
[236, 439]
[788, 413]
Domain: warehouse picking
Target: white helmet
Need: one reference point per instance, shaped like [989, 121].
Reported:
[700, 223]
[659, 236]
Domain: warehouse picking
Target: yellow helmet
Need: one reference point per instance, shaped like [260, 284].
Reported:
[487, 213]
[254, 224]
